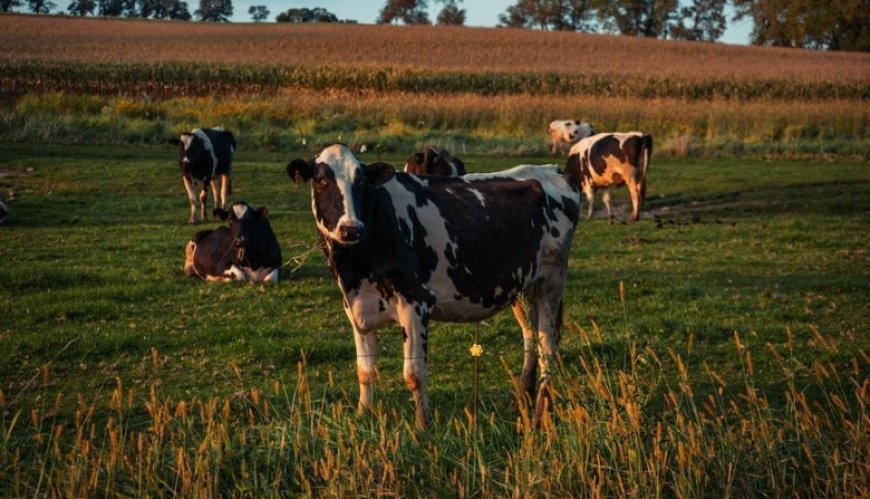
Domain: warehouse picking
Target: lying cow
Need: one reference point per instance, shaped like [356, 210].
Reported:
[434, 161]
[206, 155]
[566, 132]
[409, 249]
[247, 250]
[609, 160]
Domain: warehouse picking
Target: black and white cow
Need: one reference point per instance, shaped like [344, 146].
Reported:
[434, 161]
[609, 160]
[566, 132]
[409, 249]
[247, 250]
[205, 155]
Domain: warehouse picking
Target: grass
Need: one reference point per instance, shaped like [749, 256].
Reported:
[734, 363]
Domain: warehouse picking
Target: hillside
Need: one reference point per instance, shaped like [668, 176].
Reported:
[87, 80]
[426, 47]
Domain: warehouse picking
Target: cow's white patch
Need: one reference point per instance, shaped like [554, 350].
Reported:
[240, 209]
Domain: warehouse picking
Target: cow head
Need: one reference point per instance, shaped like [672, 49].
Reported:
[434, 161]
[580, 130]
[246, 224]
[192, 150]
[338, 184]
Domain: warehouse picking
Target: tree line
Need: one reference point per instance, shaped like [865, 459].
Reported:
[833, 25]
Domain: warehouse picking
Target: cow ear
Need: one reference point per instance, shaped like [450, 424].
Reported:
[263, 211]
[300, 170]
[220, 213]
[378, 173]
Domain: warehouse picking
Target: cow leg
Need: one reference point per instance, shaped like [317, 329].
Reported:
[637, 192]
[191, 198]
[605, 196]
[590, 193]
[530, 357]
[214, 194]
[548, 316]
[203, 197]
[415, 335]
[366, 367]
[225, 187]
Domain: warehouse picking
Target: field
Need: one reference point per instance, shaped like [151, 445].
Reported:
[483, 90]
[716, 348]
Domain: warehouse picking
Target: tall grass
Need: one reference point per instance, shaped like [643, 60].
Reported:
[466, 123]
[660, 424]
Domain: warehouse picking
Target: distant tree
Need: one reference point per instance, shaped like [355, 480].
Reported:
[836, 25]
[110, 8]
[304, 15]
[407, 11]
[131, 8]
[259, 13]
[451, 14]
[158, 9]
[560, 15]
[216, 11]
[8, 5]
[705, 21]
[82, 7]
[651, 18]
[179, 11]
[40, 6]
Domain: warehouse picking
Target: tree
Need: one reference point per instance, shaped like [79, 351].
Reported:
[651, 18]
[8, 5]
[304, 15]
[158, 9]
[81, 7]
[259, 13]
[110, 8]
[40, 6]
[560, 15]
[451, 14]
[216, 11]
[179, 11]
[408, 11]
[707, 18]
[836, 25]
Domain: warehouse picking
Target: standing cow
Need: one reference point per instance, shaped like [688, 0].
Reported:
[609, 160]
[206, 155]
[247, 250]
[434, 161]
[566, 132]
[409, 249]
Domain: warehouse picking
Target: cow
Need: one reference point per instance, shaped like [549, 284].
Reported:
[566, 132]
[608, 160]
[246, 250]
[409, 249]
[206, 155]
[4, 211]
[434, 161]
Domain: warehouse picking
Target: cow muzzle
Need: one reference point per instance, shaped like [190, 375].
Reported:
[350, 233]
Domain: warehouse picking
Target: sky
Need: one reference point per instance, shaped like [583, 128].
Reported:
[482, 13]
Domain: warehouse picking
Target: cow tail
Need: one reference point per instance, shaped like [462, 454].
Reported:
[647, 151]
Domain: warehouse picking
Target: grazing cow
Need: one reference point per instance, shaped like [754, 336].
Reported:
[247, 250]
[434, 161]
[609, 160]
[566, 132]
[4, 211]
[409, 249]
[206, 155]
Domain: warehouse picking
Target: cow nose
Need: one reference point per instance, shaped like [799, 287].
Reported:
[352, 232]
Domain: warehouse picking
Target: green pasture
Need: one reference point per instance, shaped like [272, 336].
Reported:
[765, 254]
[93, 249]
